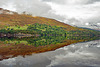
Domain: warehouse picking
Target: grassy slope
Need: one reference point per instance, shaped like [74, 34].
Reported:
[21, 20]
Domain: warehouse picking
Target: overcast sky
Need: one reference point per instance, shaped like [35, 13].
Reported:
[73, 12]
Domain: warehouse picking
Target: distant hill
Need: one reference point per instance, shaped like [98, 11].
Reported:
[89, 28]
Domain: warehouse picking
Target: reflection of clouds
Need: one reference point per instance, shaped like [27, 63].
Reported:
[35, 60]
[85, 54]
[8, 62]
[14, 61]
[75, 55]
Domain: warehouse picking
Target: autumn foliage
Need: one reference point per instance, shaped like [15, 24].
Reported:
[8, 18]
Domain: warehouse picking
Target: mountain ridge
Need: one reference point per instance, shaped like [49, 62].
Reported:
[7, 19]
[26, 23]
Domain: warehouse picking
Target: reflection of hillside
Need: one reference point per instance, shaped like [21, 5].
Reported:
[43, 40]
[86, 38]
[11, 47]
[37, 41]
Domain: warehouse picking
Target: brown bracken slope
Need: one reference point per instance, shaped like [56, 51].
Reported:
[8, 18]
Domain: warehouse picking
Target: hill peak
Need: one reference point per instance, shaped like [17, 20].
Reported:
[5, 11]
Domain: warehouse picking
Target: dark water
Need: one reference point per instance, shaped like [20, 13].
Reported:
[86, 53]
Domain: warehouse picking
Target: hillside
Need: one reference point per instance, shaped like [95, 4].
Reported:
[7, 18]
[12, 22]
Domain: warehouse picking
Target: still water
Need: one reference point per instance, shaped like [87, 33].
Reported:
[82, 54]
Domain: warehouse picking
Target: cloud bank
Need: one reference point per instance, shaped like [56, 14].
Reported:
[77, 12]
[74, 12]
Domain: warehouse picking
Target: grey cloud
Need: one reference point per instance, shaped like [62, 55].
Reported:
[34, 7]
[83, 11]
[76, 1]
[92, 1]
[56, 1]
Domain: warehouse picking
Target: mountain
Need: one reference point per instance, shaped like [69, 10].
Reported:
[89, 28]
[12, 22]
[13, 18]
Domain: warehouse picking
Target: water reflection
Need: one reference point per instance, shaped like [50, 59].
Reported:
[14, 46]
[34, 41]
[43, 40]
[85, 54]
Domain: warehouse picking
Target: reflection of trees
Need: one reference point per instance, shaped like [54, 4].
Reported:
[37, 41]
[83, 37]
[46, 40]
[42, 41]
